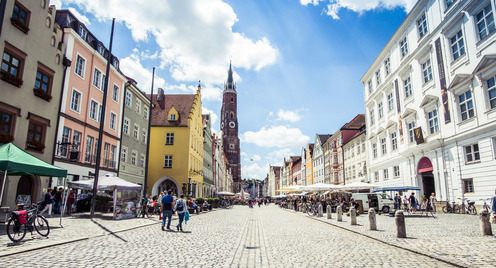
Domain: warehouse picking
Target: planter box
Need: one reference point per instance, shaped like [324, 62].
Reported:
[215, 205]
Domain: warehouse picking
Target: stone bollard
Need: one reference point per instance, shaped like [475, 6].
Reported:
[399, 218]
[484, 223]
[339, 212]
[372, 220]
[353, 216]
[304, 208]
[321, 210]
[493, 218]
[329, 212]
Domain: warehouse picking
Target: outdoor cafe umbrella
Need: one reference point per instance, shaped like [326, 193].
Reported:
[359, 186]
[321, 187]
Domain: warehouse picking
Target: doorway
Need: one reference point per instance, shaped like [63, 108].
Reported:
[428, 184]
[25, 187]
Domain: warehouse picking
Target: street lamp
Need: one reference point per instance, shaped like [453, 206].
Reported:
[187, 188]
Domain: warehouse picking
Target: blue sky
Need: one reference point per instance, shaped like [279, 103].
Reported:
[297, 63]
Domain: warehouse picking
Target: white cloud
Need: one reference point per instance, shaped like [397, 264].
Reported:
[334, 6]
[276, 158]
[213, 116]
[132, 67]
[255, 171]
[291, 116]
[196, 37]
[276, 136]
[80, 16]
[256, 157]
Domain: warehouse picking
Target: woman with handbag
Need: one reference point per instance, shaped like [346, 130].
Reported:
[181, 208]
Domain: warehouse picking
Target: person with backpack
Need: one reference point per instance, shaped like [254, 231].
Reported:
[48, 203]
[166, 209]
[57, 198]
[181, 208]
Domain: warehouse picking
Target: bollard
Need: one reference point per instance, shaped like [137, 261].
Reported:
[304, 208]
[353, 216]
[329, 212]
[493, 217]
[321, 210]
[399, 218]
[372, 220]
[484, 223]
[339, 212]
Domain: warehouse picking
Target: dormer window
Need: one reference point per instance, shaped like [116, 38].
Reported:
[173, 117]
[101, 50]
[82, 32]
[115, 62]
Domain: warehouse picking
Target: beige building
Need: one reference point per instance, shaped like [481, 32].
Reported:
[30, 86]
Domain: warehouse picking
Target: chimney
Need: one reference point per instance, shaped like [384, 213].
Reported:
[160, 98]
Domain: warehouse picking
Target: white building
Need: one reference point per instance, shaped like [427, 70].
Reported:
[318, 158]
[355, 158]
[430, 101]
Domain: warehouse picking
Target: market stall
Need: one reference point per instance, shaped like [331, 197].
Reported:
[126, 195]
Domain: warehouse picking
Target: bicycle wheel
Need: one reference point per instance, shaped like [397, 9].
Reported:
[41, 225]
[445, 209]
[472, 210]
[16, 232]
[309, 211]
[456, 209]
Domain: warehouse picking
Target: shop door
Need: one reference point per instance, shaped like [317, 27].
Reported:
[25, 187]
[428, 184]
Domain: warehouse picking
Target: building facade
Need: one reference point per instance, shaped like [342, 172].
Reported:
[208, 163]
[430, 102]
[355, 158]
[229, 127]
[31, 73]
[273, 178]
[318, 158]
[309, 164]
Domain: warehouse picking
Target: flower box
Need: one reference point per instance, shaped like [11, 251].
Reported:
[5, 138]
[19, 25]
[42, 94]
[36, 145]
[14, 80]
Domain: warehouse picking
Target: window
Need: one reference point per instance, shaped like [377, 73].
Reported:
[386, 174]
[104, 82]
[82, 32]
[76, 140]
[387, 66]
[95, 150]
[376, 176]
[64, 147]
[411, 132]
[433, 121]
[128, 99]
[371, 87]
[106, 150]
[169, 139]
[76, 101]
[113, 121]
[422, 26]
[43, 82]
[20, 15]
[379, 107]
[89, 146]
[485, 21]
[491, 90]
[466, 105]
[124, 154]
[374, 150]
[172, 117]
[449, 3]
[115, 62]
[167, 161]
[80, 65]
[383, 146]
[457, 45]
[136, 131]
[145, 113]
[97, 78]
[6, 123]
[36, 135]
[427, 70]
[12, 64]
[142, 160]
[363, 145]
[113, 151]
[378, 76]
[143, 136]
[101, 50]
[468, 186]
[394, 141]
[358, 147]
[404, 47]
[138, 106]
[390, 101]
[408, 87]
[95, 110]
[125, 127]
[472, 153]
[115, 93]
[134, 156]
[372, 119]
[396, 171]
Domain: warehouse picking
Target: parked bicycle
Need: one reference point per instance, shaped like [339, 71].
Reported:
[145, 211]
[312, 209]
[225, 204]
[455, 208]
[26, 220]
[470, 209]
[485, 205]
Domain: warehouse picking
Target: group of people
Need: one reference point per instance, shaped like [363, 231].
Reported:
[411, 203]
[259, 201]
[54, 201]
[170, 203]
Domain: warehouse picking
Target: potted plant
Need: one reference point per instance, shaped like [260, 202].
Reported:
[42, 94]
[216, 202]
[8, 77]
[199, 202]
[5, 138]
[210, 201]
[36, 145]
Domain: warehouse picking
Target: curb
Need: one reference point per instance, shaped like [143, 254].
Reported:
[385, 242]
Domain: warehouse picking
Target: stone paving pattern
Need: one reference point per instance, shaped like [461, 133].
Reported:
[259, 237]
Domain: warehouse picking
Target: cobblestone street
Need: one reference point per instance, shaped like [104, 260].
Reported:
[258, 237]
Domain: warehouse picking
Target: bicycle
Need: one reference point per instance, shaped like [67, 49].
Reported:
[22, 221]
[485, 206]
[470, 209]
[455, 208]
[312, 209]
[225, 204]
[144, 211]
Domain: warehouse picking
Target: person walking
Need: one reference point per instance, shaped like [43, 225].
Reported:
[432, 202]
[57, 198]
[48, 203]
[397, 201]
[413, 203]
[166, 209]
[181, 208]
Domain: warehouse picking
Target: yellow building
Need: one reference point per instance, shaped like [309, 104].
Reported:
[309, 164]
[176, 144]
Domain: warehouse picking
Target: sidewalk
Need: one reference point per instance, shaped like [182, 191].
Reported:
[75, 228]
[453, 238]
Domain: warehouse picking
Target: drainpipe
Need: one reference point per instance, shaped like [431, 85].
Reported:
[460, 173]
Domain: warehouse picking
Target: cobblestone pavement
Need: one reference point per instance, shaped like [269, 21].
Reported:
[239, 237]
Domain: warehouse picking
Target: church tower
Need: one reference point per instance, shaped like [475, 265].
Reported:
[229, 128]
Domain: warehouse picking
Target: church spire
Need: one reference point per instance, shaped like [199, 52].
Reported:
[230, 81]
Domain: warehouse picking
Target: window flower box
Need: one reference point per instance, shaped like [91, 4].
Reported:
[36, 145]
[5, 138]
[19, 25]
[42, 94]
[8, 77]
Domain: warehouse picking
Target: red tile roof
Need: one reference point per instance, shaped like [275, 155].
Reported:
[356, 122]
[181, 102]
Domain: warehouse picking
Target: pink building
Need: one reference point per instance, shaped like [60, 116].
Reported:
[81, 106]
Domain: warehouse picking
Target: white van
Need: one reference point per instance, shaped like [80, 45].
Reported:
[379, 201]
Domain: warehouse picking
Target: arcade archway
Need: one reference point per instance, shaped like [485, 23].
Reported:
[164, 184]
[425, 171]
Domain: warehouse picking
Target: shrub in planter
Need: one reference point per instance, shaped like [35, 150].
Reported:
[200, 200]
[210, 200]
[216, 200]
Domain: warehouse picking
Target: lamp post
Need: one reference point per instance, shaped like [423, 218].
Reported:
[189, 188]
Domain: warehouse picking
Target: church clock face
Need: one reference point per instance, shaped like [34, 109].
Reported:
[222, 125]
[232, 124]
